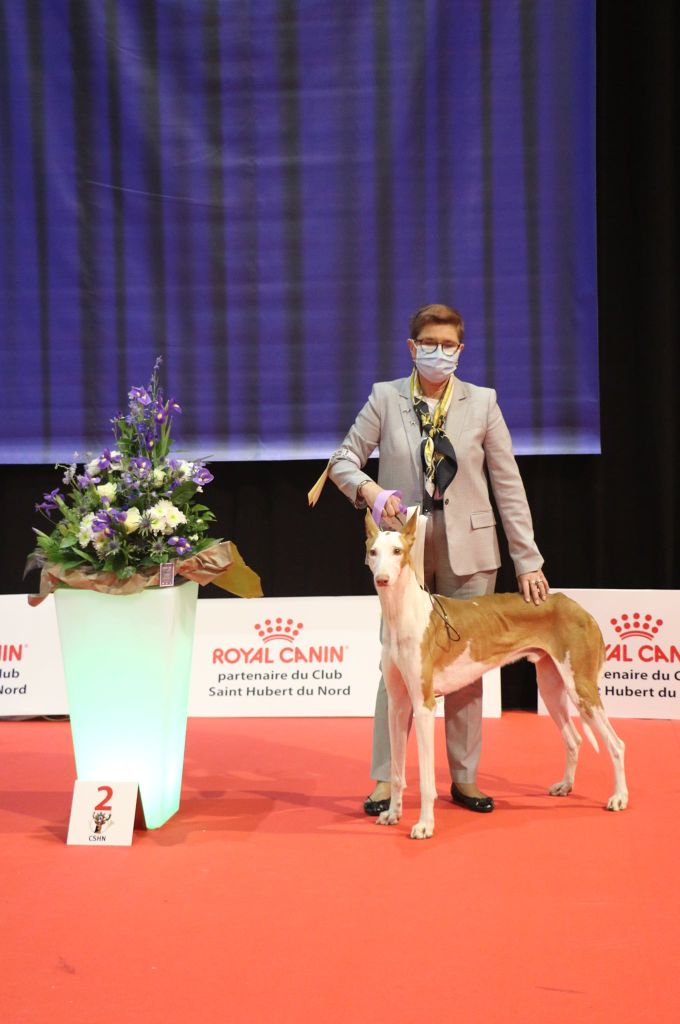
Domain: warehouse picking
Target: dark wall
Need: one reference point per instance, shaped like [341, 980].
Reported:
[601, 521]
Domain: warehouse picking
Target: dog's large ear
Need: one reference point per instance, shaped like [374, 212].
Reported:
[409, 531]
[372, 530]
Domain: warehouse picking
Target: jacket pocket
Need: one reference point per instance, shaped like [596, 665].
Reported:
[478, 520]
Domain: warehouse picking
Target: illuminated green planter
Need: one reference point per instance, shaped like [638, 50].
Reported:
[127, 662]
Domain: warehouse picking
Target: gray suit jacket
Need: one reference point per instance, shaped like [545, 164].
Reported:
[480, 438]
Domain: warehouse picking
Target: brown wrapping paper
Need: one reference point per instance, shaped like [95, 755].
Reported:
[220, 564]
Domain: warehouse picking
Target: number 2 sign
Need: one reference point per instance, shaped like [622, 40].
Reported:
[102, 814]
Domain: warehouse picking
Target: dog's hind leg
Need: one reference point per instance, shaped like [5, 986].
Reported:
[424, 721]
[616, 749]
[552, 689]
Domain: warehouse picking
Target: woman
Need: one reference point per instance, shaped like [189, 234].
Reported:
[437, 436]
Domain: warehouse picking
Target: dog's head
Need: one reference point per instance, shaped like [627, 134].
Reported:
[388, 551]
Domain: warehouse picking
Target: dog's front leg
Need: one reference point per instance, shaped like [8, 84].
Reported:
[399, 714]
[424, 720]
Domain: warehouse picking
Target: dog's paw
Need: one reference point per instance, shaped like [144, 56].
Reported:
[422, 831]
[618, 802]
[388, 817]
[562, 788]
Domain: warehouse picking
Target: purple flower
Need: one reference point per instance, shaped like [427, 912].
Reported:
[49, 503]
[172, 407]
[106, 520]
[202, 476]
[141, 465]
[139, 396]
[180, 544]
[84, 480]
[159, 412]
[102, 524]
[146, 435]
[108, 459]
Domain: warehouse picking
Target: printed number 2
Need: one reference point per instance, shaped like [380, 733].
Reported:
[104, 805]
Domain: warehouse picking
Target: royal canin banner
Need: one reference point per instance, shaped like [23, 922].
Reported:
[286, 657]
[295, 656]
[31, 672]
[306, 657]
[641, 630]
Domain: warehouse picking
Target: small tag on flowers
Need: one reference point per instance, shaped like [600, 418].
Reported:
[167, 575]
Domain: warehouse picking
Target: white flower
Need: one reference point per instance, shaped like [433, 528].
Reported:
[164, 516]
[158, 476]
[117, 465]
[184, 469]
[98, 542]
[133, 518]
[107, 491]
[92, 468]
[85, 530]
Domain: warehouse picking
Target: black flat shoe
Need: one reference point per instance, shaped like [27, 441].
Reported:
[375, 807]
[481, 804]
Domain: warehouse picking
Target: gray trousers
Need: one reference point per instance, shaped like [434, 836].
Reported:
[463, 709]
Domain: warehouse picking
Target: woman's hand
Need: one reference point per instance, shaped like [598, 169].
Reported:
[533, 586]
[370, 491]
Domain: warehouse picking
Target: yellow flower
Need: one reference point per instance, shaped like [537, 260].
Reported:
[133, 519]
[107, 491]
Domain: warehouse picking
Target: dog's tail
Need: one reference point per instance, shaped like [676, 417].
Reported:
[588, 731]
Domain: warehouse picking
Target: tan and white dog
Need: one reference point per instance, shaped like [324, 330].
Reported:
[433, 646]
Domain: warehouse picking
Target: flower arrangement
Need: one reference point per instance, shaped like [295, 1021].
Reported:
[132, 508]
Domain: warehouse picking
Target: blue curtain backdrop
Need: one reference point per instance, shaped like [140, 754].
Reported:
[262, 193]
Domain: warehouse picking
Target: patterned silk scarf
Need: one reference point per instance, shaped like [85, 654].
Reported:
[436, 451]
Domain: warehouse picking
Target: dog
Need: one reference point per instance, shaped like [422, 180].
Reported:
[434, 645]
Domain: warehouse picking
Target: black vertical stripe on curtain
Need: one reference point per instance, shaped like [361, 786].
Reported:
[113, 49]
[182, 128]
[444, 136]
[150, 104]
[289, 79]
[350, 236]
[212, 83]
[8, 234]
[384, 212]
[250, 241]
[527, 35]
[86, 216]
[486, 120]
[563, 316]
[419, 149]
[34, 25]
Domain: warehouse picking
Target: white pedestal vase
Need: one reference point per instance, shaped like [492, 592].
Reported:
[127, 662]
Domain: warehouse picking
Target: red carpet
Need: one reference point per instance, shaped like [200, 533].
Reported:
[270, 898]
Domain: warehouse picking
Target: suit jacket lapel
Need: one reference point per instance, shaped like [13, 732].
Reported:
[411, 423]
[458, 410]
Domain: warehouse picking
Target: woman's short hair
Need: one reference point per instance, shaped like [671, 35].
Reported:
[436, 313]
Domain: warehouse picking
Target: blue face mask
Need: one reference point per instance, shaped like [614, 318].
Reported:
[435, 367]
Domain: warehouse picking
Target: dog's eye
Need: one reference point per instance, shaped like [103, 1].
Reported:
[372, 551]
[398, 551]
